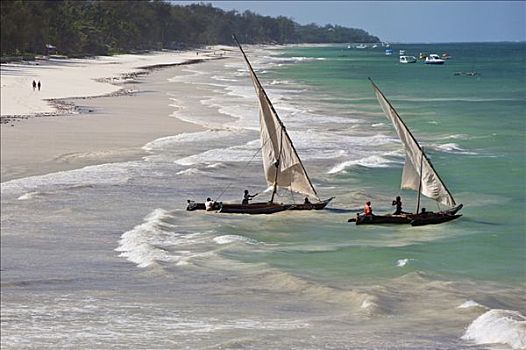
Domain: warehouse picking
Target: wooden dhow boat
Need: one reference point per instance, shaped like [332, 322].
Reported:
[418, 175]
[282, 165]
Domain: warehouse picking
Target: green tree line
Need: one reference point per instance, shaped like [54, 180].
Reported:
[104, 27]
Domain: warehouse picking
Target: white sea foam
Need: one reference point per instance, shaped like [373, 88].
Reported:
[239, 153]
[296, 59]
[190, 172]
[104, 174]
[498, 327]
[137, 245]
[158, 240]
[216, 166]
[469, 304]
[451, 148]
[31, 195]
[369, 162]
[227, 239]
[280, 82]
[195, 137]
[403, 262]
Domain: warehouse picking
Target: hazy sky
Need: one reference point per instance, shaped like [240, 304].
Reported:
[403, 21]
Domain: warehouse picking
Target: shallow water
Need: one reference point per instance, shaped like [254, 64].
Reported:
[107, 257]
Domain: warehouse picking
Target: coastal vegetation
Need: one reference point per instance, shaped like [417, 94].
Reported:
[107, 27]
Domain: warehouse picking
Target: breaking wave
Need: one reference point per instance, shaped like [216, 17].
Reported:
[139, 244]
[498, 327]
[452, 148]
[368, 162]
[227, 239]
[104, 174]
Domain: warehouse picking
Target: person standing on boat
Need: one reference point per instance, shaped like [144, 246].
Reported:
[209, 204]
[367, 209]
[398, 203]
[247, 197]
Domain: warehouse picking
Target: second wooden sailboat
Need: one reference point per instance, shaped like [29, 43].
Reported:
[418, 175]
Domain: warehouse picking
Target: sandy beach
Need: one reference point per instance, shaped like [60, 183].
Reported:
[88, 111]
[99, 252]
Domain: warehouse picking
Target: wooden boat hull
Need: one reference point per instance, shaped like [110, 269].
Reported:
[453, 210]
[253, 208]
[311, 206]
[428, 218]
[381, 219]
[434, 218]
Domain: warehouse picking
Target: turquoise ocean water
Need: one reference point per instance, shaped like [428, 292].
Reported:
[107, 256]
[473, 129]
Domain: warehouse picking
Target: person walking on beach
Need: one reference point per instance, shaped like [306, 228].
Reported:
[39, 85]
[34, 85]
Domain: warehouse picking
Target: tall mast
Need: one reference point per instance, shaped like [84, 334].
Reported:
[423, 156]
[420, 183]
[284, 133]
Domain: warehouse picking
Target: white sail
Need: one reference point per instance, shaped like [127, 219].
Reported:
[429, 183]
[277, 147]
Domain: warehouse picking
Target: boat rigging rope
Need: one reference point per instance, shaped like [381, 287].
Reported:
[241, 171]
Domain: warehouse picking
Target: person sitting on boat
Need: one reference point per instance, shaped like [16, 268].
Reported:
[209, 204]
[247, 197]
[424, 212]
[307, 203]
[367, 209]
[398, 203]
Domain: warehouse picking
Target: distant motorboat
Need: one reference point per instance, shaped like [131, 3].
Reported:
[388, 52]
[434, 59]
[402, 52]
[361, 46]
[407, 59]
[446, 56]
[374, 46]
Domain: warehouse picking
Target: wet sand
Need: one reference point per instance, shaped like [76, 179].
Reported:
[92, 130]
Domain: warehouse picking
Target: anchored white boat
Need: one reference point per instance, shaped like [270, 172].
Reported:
[434, 59]
[407, 59]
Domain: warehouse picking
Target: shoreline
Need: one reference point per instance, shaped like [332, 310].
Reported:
[97, 128]
[64, 106]
[111, 79]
